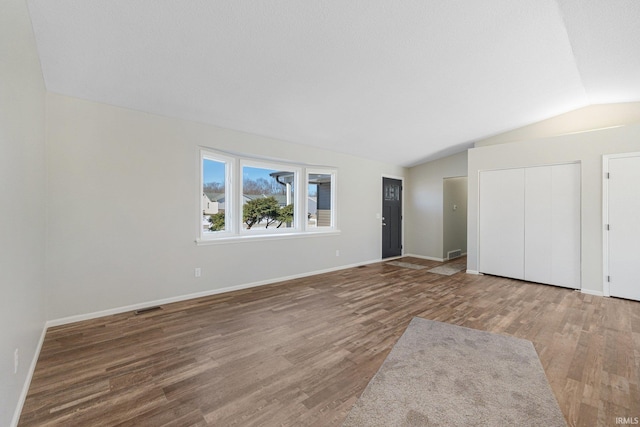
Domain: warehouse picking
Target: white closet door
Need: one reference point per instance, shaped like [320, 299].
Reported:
[538, 219]
[624, 219]
[565, 225]
[502, 223]
[552, 225]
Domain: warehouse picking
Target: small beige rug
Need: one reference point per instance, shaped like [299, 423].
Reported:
[407, 265]
[449, 269]
[439, 374]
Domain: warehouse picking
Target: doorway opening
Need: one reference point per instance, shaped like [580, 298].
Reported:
[454, 217]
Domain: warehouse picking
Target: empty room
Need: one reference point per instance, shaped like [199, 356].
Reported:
[286, 213]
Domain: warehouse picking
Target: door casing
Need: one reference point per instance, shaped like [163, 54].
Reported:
[606, 262]
[392, 218]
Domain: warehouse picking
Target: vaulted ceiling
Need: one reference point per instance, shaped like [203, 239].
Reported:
[402, 81]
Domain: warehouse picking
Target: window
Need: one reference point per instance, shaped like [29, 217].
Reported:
[320, 199]
[268, 196]
[217, 201]
[243, 197]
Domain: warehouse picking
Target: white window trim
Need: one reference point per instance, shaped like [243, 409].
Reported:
[334, 198]
[273, 166]
[229, 194]
[234, 231]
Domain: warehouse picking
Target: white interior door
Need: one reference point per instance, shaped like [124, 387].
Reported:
[501, 216]
[624, 226]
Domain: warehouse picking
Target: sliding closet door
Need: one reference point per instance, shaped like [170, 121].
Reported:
[501, 227]
[552, 225]
[537, 219]
[565, 225]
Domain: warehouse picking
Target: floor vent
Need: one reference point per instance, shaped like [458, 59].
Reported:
[361, 266]
[454, 254]
[147, 310]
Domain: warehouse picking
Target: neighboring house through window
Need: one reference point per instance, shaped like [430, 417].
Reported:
[243, 197]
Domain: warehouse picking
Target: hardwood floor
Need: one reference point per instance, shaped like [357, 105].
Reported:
[301, 352]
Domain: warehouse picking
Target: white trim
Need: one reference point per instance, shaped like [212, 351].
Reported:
[401, 179]
[334, 198]
[539, 165]
[605, 221]
[262, 237]
[590, 292]
[606, 289]
[27, 381]
[430, 258]
[478, 195]
[234, 197]
[477, 273]
[229, 197]
[398, 177]
[124, 309]
[392, 258]
[268, 166]
[477, 200]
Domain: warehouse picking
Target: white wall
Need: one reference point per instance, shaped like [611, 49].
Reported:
[107, 165]
[583, 119]
[424, 204]
[588, 148]
[22, 195]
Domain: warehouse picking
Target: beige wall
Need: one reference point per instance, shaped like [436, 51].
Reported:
[583, 119]
[22, 213]
[587, 148]
[424, 223]
[117, 253]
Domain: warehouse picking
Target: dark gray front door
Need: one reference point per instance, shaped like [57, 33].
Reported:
[391, 217]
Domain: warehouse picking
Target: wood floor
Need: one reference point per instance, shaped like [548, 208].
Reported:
[300, 353]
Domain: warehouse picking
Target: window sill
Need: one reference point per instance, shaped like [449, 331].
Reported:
[262, 237]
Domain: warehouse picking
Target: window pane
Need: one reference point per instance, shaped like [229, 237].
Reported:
[213, 195]
[267, 198]
[392, 192]
[320, 200]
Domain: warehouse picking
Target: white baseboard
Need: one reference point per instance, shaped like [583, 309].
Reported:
[474, 272]
[430, 258]
[111, 311]
[77, 318]
[27, 381]
[590, 292]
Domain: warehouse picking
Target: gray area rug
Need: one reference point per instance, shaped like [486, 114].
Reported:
[407, 265]
[449, 269]
[439, 374]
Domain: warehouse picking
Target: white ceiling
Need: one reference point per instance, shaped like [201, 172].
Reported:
[398, 81]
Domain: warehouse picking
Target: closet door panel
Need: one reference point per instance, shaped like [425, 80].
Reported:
[538, 220]
[501, 217]
[565, 225]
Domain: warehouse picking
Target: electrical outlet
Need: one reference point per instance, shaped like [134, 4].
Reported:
[337, 252]
[198, 272]
[16, 361]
